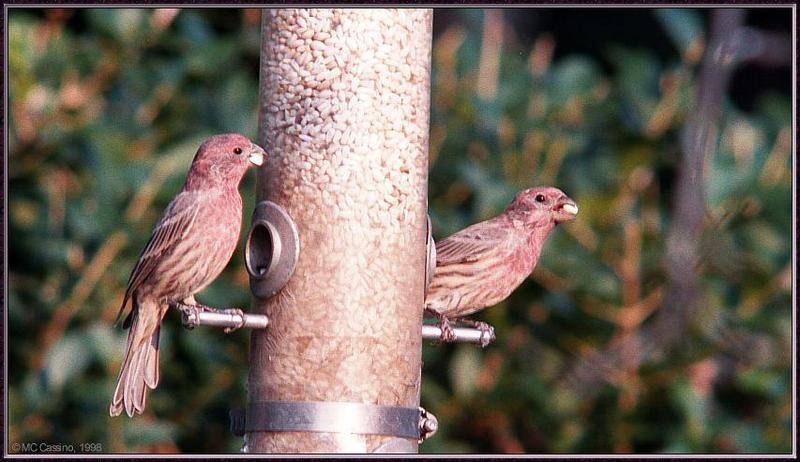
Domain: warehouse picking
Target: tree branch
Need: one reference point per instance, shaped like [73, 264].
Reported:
[699, 138]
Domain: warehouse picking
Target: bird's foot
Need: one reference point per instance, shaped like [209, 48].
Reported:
[237, 312]
[189, 314]
[447, 335]
[487, 331]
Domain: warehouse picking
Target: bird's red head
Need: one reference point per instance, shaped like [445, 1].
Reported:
[224, 159]
[543, 205]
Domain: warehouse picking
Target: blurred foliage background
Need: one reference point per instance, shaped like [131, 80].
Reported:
[107, 107]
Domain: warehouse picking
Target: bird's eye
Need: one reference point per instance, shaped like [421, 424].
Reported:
[237, 151]
[539, 198]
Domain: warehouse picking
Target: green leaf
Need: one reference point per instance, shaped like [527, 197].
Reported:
[572, 76]
[683, 25]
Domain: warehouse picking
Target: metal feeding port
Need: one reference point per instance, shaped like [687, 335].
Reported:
[272, 249]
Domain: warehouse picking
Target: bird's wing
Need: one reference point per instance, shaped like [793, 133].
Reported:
[173, 226]
[470, 244]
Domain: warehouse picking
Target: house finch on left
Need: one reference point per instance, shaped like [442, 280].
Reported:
[190, 245]
[481, 265]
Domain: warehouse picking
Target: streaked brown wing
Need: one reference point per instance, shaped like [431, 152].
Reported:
[469, 244]
[173, 226]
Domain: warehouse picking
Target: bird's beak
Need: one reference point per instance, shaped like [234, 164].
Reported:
[566, 209]
[257, 155]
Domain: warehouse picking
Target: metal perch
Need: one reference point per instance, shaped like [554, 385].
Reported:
[227, 319]
[462, 334]
[231, 319]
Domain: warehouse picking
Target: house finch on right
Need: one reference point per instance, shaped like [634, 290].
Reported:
[481, 265]
[189, 247]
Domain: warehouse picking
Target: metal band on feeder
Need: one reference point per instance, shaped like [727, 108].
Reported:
[334, 417]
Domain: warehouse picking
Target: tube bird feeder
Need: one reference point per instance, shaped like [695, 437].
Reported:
[344, 118]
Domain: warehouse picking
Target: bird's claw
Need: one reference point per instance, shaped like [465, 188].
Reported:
[486, 330]
[189, 315]
[237, 312]
[447, 335]
[487, 333]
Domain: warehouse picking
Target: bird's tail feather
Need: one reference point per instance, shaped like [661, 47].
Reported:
[140, 363]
